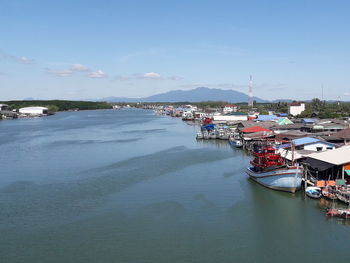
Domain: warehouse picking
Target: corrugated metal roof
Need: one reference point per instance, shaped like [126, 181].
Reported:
[305, 140]
[302, 141]
[337, 156]
[344, 134]
[298, 154]
[255, 129]
[306, 120]
[267, 117]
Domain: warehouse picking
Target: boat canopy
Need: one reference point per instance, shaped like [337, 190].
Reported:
[317, 164]
[209, 127]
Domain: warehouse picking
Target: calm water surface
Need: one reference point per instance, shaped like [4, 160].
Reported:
[130, 186]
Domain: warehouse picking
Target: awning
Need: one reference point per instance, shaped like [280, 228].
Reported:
[317, 165]
[340, 182]
[347, 171]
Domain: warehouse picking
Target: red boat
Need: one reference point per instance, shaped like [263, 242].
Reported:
[329, 192]
[339, 212]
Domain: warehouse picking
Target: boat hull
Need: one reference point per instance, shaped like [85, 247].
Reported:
[236, 143]
[283, 179]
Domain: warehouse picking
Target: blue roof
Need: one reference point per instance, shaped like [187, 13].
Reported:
[299, 141]
[267, 117]
[309, 120]
[283, 114]
[305, 140]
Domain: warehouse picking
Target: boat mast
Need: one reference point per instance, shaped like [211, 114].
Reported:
[293, 153]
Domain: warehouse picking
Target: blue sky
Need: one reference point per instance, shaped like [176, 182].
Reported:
[94, 49]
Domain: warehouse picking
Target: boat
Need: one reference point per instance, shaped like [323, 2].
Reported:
[187, 116]
[339, 212]
[329, 192]
[212, 135]
[313, 192]
[199, 136]
[343, 194]
[235, 142]
[269, 170]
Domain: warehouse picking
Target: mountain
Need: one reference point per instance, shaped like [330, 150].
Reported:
[194, 95]
[282, 100]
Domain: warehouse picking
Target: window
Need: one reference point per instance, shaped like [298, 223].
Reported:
[319, 149]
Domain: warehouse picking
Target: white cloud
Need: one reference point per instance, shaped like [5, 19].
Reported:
[152, 75]
[79, 68]
[25, 60]
[60, 73]
[22, 59]
[347, 93]
[97, 74]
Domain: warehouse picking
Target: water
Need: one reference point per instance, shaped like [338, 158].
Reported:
[130, 186]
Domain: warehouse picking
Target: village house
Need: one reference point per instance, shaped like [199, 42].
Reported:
[229, 108]
[296, 108]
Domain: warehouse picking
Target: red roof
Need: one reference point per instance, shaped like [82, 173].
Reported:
[255, 129]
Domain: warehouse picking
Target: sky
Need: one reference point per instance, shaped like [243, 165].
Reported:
[94, 49]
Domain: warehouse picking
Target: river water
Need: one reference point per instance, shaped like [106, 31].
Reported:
[131, 186]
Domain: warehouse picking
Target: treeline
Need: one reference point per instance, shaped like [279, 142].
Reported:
[58, 105]
[314, 108]
[325, 110]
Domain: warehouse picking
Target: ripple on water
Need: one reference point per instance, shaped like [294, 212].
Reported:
[25, 204]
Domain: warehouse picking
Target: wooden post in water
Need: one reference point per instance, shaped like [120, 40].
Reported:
[305, 177]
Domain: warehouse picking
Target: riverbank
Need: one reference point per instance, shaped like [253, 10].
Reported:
[319, 159]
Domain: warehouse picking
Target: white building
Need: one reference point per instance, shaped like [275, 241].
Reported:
[229, 109]
[296, 108]
[225, 118]
[33, 111]
[3, 107]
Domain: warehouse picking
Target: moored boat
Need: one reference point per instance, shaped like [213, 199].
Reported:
[199, 136]
[235, 142]
[329, 192]
[313, 192]
[343, 194]
[339, 212]
[269, 170]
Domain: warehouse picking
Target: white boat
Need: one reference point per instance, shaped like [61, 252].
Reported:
[313, 192]
[269, 170]
[343, 194]
[235, 142]
[284, 179]
[199, 136]
[212, 135]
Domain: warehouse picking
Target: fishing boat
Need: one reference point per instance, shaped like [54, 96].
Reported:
[343, 194]
[199, 135]
[339, 212]
[212, 135]
[269, 170]
[329, 192]
[235, 142]
[313, 192]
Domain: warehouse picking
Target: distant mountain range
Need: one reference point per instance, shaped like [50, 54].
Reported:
[194, 95]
